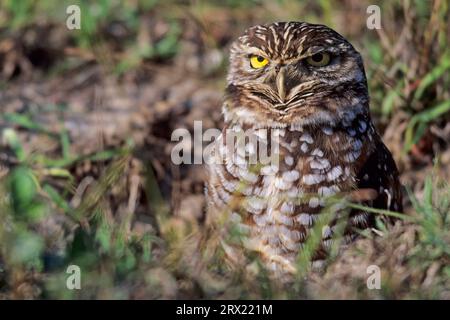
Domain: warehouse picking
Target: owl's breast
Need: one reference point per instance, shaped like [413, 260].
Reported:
[277, 182]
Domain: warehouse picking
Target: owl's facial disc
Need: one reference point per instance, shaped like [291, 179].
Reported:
[295, 72]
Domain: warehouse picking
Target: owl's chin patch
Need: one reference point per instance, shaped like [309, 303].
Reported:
[258, 119]
[317, 118]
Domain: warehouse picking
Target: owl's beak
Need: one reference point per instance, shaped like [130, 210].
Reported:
[280, 82]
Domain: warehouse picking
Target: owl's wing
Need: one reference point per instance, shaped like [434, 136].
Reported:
[379, 173]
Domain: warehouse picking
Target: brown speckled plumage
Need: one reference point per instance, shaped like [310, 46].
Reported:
[319, 117]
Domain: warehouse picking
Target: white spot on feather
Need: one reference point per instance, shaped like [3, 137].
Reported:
[269, 170]
[327, 130]
[335, 173]
[282, 184]
[289, 160]
[327, 191]
[287, 207]
[294, 193]
[313, 202]
[289, 221]
[257, 203]
[311, 179]
[357, 144]
[351, 132]
[260, 220]
[362, 126]
[352, 156]
[304, 219]
[248, 176]
[291, 176]
[304, 147]
[326, 232]
[306, 137]
[317, 152]
[319, 164]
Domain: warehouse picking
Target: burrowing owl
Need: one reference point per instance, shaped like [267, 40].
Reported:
[303, 87]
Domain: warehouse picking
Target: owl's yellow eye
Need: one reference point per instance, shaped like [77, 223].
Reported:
[258, 62]
[320, 59]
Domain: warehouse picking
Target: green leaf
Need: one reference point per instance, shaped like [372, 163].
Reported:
[65, 144]
[59, 201]
[389, 101]
[433, 76]
[36, 212]
[23, 187]
[26, 122]
[104, 236]
[422, 118]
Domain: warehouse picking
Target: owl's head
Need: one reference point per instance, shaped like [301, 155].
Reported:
[294, 73]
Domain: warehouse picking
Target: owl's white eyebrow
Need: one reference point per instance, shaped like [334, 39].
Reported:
[256, 51]
[316, 49]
